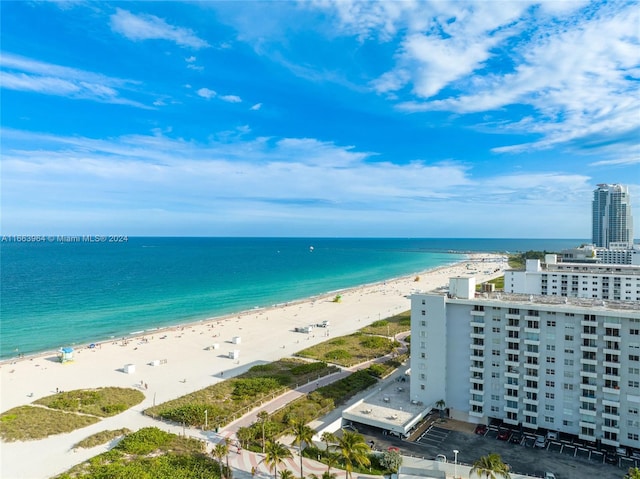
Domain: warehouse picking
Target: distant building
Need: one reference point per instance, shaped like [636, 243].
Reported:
[563, 364]
[578, 280]
[616, 253]
[612, 218]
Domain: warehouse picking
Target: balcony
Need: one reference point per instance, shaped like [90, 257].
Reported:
[476, 358]
[512, 316]
[588, 349]
[476, 413]
[588, 412]
[512, 327]
[612, 325]
[588, 387]
[477, 313]
[589, 322]
[612, 391]
[592, 362]
[477, 322]
[475, 369]
[588, 374]
[477, 335]
[590, 337]
[611, 377]
[535, 402]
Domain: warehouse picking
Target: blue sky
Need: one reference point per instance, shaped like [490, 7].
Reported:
[320, 118]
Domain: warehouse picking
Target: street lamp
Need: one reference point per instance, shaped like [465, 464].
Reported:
[455, 463]
[206, 419]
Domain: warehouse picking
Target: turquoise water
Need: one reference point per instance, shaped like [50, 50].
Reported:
[57, 293]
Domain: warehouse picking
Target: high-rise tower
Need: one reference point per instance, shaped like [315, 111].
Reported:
[612, 219]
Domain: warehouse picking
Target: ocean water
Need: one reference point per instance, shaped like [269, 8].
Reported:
[59, 292]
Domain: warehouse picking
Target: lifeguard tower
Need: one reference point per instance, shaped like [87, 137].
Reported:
[65, 355]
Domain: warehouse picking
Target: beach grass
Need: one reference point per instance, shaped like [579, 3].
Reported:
[101, 402]
[26, 423]
[350, 350]
[399, 323]
[221, 403]
[101, 437]
[149, 453]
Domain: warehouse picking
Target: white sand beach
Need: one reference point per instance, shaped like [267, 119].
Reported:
[189, 359]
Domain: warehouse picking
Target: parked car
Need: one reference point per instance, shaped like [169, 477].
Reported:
[540, 442]
[552, 436]
[481, 429]
[504, 435]
[611, 458]
[549, 475]
[516, 438]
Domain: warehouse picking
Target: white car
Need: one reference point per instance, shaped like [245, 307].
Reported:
[540, 442]
[549, 475]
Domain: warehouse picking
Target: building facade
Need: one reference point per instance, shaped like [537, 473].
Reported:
[612, 220]
[564, 364]
[578, 280]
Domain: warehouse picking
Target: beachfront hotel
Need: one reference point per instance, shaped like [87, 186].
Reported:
[612, 220]
[542, 362]
[578, 280]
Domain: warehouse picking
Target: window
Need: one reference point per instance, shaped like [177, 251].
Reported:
[635, 332]
[551, 347]
[633, 410]
[568, 337]
[634, 357]
[551, 323]
[634, 384]
[495, 352]
[568, 387]
[423, 323]
[634, 371]
[568, 362]
[550, 384]
[633, 436]
[551, 359]
[548, 419]
[495, 397]
[549, 395]
[495, 330]
[495, 409]
[567, 423]
[550, 372]
[549, 407]
[422, 387]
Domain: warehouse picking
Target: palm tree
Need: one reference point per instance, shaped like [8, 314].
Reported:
[331, 459]
[219, 451]
[440, 404]
[491, 466]
[634, 473]
[276, 453]
[354, 451]
[263, 416]
[286, 474]
[301, 434]
[327, 438]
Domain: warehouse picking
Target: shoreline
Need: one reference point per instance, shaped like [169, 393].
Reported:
[228, 316]
[171, 362]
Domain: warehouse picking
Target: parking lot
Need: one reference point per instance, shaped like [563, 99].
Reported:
[567, 461]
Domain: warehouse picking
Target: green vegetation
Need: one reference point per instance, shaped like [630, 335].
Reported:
[352, 349]
[101, 437]
[149, 454]
[26, 423]
[225, 401]
[490, 466]
[101, 402]
[518, 261]
[399, 323]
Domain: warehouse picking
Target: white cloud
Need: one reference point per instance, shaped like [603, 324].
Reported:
[149, 27]
[256, 107]
[231, 98]
[206, 93]
[25, 74]
[228, 181]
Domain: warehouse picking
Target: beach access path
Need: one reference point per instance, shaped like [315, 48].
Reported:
[194, 356]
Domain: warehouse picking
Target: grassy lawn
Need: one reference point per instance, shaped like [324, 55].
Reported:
[101, 437]
[101, 402]
[225, 401]
[25, 423]
[149, 453]
[64, 412]
[399, 323]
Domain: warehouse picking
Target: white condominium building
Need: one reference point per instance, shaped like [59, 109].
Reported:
[578, 280]
[612, 220]
[562, 364]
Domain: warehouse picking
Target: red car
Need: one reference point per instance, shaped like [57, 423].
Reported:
[504, 435]
[481, 429]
